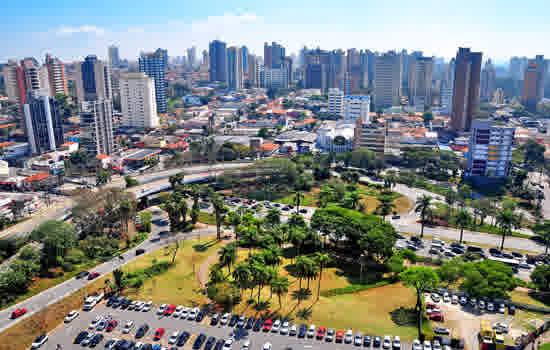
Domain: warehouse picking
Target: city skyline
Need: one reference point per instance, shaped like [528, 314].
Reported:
[72, 33]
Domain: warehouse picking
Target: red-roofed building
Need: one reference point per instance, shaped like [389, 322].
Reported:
[40, 181]
[267, 149]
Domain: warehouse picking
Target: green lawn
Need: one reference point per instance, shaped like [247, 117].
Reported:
[206, 218]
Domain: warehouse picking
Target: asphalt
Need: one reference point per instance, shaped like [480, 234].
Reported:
[66, 333]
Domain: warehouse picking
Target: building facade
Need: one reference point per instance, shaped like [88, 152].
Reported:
[466, 89]
[357, 107]
[369, 136]
[154, 65]
[274, 55]
[114, 58]
[488, 81]
[419, 83]
[96, 127]
[490, 150]
[387, 80]
[43, 124]
[218, 61]
[235, 68]
[93, 80]
[138, 103]
[57, 80]
[335, 102]
[276, 78]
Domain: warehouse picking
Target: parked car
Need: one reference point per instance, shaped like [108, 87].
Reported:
[219, 344]
[200, 316]
[416, 345]
[339, 336]
[18, 312]
[358, 340]
[436, 345]
[311, 331]
[435, 297]
[210, 343]
[376, 342]
[224, 319]
[178, 311]
[348, 337]
[142, 331]
[159, 333]
[128, 327]
[396, 345]
[293, 330]
[228, 344]
[267, 325]
[161, 308]
[110, 344]
[214, 319]
[38, 342]
[387, 342]
[436, 316]
[82, 275]
[511, 310]
[184, 336]
[71, 316]
[329, 338]
[193, 314]
[173, 338]
[442, 330]
[250, 323]
[427, 345]
[321, 331]
[267, 346]
[80, 337]
[490, 307]
[276, 326]
[258, 325]
[501, 309]
[233, 320]
[93, 275]
[112, 324]
[199, 341]
[302, 331]
[284, 328]
[241, 322]
[96, 340]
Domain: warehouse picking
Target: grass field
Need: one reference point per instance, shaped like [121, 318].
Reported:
[207, 218]
[525, 298]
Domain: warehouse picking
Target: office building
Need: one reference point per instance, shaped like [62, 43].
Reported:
[14, 82]
[218, 61]
[43, 124]
[235, 68]
[335, 102]
[275, 78]
[57, 80]
[244, 60]
[490, 150]
[154, 65]
[466, 89]
[252, 77]
[387, 80]
[488, 81]
[24, 78]
[419, 83]
[114, 58]
[205, 58]
[533, 83]
[192, 56]
[357, 107]
[274, 55]
[369, 136]
[518, 65]
[138, 103]
[93, 80]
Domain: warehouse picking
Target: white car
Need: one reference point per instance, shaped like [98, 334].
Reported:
[246, 345]
[276, 326]
[311, 331]
[396, 343]
[173, 338]
[446, 298]
[427, 345]
[95, 322]
[416, 345]
[358, 340]
[184, 313]
[193, 314]
[178, 311]
[473, 302]
[330, 335]
[140, 305]
[128, 327]
[71, 316]
[500, 327]
[228, 344]
[241, 321]
[481, 305]
[133, 305]
[110, 344]
[463, 300]
[293, 330]
[224, 319]
[348, 336]
[161, 308]
[490, 307]
[284, 328]
[435, 297]
[454, 300]
[147, 307]
[38, 342]
[386, 344]
[138, 346]
[501, 309]
[436, 345]
[267, 346]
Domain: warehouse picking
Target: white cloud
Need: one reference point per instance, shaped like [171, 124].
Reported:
[88, 29]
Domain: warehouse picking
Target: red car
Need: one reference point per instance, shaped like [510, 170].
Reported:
[18, 312]
[339, 336]
[267, 325]
[158, 334]
[436, 316]
[112, 325]
[169, 310]
[321, 331]
[93, 275]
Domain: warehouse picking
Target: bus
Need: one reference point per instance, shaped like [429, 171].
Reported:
[510, 262]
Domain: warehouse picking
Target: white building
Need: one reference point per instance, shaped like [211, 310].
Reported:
[357, 107]
[388, 71]
[137, 99]
[335, 102]
[331, 130]
[490, 150]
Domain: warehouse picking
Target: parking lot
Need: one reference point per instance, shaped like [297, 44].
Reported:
[66, 333]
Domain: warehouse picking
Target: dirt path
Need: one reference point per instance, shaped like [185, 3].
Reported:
[202, 271]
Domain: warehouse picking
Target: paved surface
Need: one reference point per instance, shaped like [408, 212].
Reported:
[52, 295]
[65, 334]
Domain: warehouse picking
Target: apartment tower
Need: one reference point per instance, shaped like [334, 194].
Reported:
[466, 89]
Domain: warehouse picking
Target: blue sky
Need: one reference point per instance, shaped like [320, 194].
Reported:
[72, 29]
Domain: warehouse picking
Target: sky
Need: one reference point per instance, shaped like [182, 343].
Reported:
[72, 29]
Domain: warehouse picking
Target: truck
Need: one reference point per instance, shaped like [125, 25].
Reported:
[486, 332]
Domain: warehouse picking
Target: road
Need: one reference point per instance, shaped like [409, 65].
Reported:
[60, 209]
[65, 334]
[52, 295]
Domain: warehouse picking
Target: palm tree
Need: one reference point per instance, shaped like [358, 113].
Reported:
[542, 231]
[279, 286]
[126, 211]
[386, 206]
[301, 269]
[298, 198]
[325, 195]
[422, 206]
[242, 275]
[118, 275]
[463, 220]
[228, 256]
[297, 239]
[322, 260]
[506, 219]
[353, 199]
[172, 207]
[219, 212]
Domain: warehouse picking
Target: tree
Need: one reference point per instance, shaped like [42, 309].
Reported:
[325, 196]
[195, 210]
[386, 206]
[102, 177]
[421, 279]
[427, 116]
[126, 210]
[488, 279]
[396, 265]
[279, 286]
[542, 231]
[273, 217]
[263, 133]
[541, 277]
[322, 260]
[242, 275]
[119, 279]
[57, 238]
[219, 212]
[351, 200]
[172, 208]
[423, 205]
[228, 256]
[533, 153]
[506, 220]
[298, 198]
[233, 219]
[463, 220]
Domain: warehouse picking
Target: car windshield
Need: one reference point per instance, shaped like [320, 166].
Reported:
[40, 338]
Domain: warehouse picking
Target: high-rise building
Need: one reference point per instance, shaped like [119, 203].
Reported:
[488, 80]
[154, 65]
[420, 81]
[24, 78]
[43, 124]
[114, 58]
[205, 57]
[14, 82]
[533, 83]
[218, 61]
[335, 102]
[192, 56]
[252, 78]
[518, 65]
[235, 68]
[94, 92]
[490, 150]
[137, 99]
[357, 107]
[274, 55]
[387, 80]
[244, 60]
[56, 76]
[466, 88]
